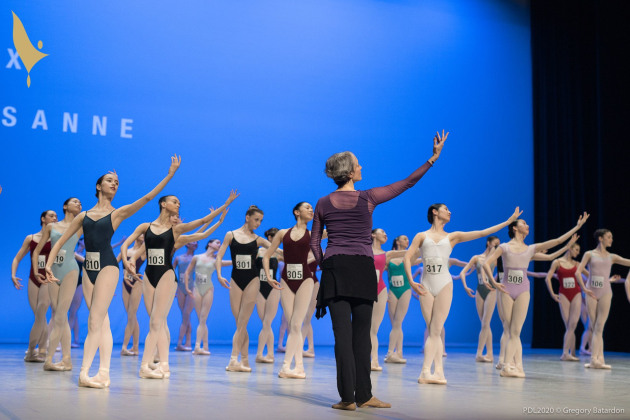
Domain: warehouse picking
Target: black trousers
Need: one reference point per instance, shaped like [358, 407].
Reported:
[351, 320]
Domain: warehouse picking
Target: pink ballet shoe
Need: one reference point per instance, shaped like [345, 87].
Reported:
[147, 373]
[309, 354]
[262, 359]
[87, 382]
[483, 359]
[125, 352]
[375, 367]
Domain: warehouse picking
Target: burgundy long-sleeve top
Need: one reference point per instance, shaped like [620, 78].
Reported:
[348, 219]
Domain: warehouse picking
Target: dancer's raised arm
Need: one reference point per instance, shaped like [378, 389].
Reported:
[128, 210]
[187, 227]
[555, 242]
[457, 237]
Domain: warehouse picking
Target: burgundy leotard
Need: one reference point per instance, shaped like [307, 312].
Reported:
[296, 268]
[44, 252]
[569, 286]
[313, 267]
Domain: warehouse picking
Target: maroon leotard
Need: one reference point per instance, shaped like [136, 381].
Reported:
[296, 260]
[45, 251]
[313, 267]
[568, 274]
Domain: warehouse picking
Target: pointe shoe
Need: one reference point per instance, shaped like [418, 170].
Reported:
[153, 365]
[148, 373]
[181, 348]
[510, 372]
[584, 352]
[499, 366]
[102, 377]
[52, 367]
[33, 357]
[394, 358]
[483, 359]
[569, 358]
[309, 354]
[65, 365]
[244, 368]
[135, 351]
[245, 362]
[262, 359]
[205, 352]
[233, 366]
[86, 381]
[375, 367]
[287, 373]
[341, 405]
[74, 345]
[597, 365]
[125, 352]
[197, 351]
[375, 403]
[281, 349]
[165, 370]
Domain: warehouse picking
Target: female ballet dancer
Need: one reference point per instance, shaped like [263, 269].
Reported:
[348, 284]
[185, 302]
[598, 291]
[381, 260]
[160, 282]
[38, 296]
[569, 297]
[398, 298]
[245, 283]
[267, 302]
[66, 269]
[307, 327]
[203, 266]
[131, 295]
[297, 284]
[436, 289]
[101, 267]
[516, 256]
[485, 299]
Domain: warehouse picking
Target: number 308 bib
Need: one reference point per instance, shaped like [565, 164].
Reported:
[515, 277]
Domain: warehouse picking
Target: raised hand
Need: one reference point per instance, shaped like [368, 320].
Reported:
[573, 240]
[175, 162]
[517, 213]
[233, 195]
[438, 142]
[583, 218]
[222, 218]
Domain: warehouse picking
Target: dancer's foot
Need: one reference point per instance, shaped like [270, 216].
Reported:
[197, 351]
[584, 352]
[375, 403]
[281, 349]
[287, 373]
[510, 371]
[33, 357]
[308, 353]
[394, 358]
[135, 351]
[164, 369]
[499, 366]
[125, 352]
[341, 405]
[181, 348]
[147, 373]
[75, 345]
[65, 364]
[52, 367]
[102, 377]
[86, 381]
[375, 367]
[264, 359]
[569, 358]
[483, 359]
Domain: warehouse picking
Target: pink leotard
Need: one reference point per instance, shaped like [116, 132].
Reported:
[379, 265]
[599, 269]
[515, 266]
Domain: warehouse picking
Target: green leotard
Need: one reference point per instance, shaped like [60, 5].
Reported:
[398, 281]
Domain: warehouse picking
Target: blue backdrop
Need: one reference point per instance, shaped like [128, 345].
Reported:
[255, 95]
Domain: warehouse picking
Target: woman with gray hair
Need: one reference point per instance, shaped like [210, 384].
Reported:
[348, 282]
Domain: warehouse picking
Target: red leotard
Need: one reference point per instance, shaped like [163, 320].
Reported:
[379, 265]
[45, 251]
[296, 259]
[564, 277]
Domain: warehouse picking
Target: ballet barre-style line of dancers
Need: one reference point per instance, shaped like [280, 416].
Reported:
[282, 266]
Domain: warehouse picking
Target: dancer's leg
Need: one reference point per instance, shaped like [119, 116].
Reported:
[307, 328]
[378, 313]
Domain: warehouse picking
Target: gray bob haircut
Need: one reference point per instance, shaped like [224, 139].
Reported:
[339, 166]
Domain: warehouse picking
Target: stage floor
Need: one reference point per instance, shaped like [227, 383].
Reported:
[201, 388]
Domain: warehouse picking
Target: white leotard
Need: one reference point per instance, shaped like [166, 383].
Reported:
[435, 261]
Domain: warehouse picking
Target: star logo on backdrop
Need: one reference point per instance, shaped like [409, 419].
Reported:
[25, 49]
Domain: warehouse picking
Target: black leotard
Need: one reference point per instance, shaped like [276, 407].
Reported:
[159, 251]
[265, 287]
[99, 254]
[243, 262]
